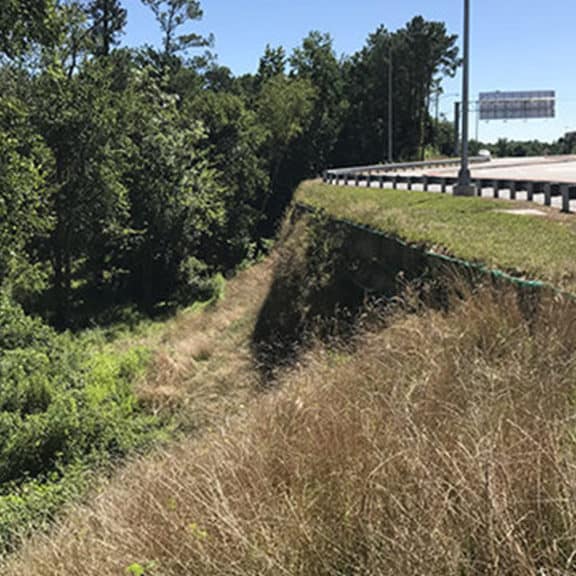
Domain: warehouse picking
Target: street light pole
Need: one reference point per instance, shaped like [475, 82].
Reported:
[390, 107]
[456, 128]
[464, 186]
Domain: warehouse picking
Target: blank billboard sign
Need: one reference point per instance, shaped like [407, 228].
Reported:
[517, 105]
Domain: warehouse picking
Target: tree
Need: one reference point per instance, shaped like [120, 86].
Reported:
[284, 108]
[108, 19]
[316, 61]
[172, 15]
[177, 207]
[24, 22]
[363, 138]
[83, 120]
[427, 52]
[420, 54]
[75, 42]
[272, 63]
[24, 194]
[234, 140]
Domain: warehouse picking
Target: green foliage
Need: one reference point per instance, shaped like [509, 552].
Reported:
[18, 330]
[172, 15]
[316, 61]
[108, 20]
[420, 54]
[62, 406]
[138, 569]
[197, 283]
[235, 139]
[177, 206]
[24, 22]
[284, 107]
[83, 119]
[272, 63]
[33, 505]
[57, 407]
[505, 148]
[24, 195]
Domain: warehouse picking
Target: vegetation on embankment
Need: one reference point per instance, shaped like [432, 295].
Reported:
[67, 407]
[437, 442]
[443, 445]
[474, 229]
[72, 405]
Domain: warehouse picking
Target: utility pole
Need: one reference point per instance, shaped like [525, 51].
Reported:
[464, 186]
[390, 107]
[456, 128]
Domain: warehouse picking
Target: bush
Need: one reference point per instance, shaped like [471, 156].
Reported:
[60, 407]
[197, 283]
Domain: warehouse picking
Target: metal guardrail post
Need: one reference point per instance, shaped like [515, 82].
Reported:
[496, 188]
[425, 183]
[565, 192]
[547, 194]
[571, 194]
[443, 186]
[530, 191]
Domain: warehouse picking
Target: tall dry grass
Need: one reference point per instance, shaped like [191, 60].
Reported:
[443, 445]
[202, 366]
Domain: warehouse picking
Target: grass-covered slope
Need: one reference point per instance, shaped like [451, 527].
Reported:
[441, 445]
[474, 229]
[433, 442]
[72, 404]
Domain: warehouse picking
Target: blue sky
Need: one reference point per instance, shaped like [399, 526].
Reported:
[515, 44]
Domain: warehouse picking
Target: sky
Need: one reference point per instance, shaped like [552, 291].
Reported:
[515, 44]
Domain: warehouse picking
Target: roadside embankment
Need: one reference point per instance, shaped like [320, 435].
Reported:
[419, 440]
[476, 230]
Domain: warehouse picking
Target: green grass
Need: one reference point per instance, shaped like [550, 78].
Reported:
[473, 229]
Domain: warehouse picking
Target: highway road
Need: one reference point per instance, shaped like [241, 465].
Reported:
[546, 168]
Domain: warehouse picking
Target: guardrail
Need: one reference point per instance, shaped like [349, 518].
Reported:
[548, 189]
[407, 165]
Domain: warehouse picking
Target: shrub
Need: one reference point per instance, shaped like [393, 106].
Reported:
[62, 405]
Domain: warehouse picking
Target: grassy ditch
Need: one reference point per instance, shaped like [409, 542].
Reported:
[72, 407]
[473, 229]
[440, 444]
[436, 442]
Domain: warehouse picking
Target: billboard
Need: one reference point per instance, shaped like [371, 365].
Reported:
[521, 105]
